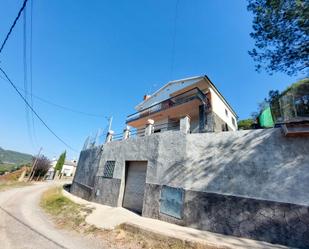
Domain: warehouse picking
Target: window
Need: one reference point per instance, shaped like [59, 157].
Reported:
[108, 171]
[224, 127]
[226, 113]
[233, 122]
[171, 201]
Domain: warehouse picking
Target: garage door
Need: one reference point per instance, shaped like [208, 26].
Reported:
[135, 186]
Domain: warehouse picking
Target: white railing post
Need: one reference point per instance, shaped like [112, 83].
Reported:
[126, 133]
[149, 127]
[185, 124]
[109, 136]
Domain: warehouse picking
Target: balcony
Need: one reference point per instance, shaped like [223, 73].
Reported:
[185, 103]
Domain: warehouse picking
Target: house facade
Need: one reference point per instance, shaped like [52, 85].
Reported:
[195, 97]
[68, 169]
[251, 184]
[181, 167]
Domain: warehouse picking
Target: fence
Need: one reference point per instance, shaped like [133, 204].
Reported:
[292, 106]
[103, 137]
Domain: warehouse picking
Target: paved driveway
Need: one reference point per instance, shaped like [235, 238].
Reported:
[23, 225]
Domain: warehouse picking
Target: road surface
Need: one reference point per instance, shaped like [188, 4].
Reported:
[23, 225]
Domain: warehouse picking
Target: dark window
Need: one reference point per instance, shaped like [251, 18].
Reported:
[171, 201]
[224, 127]
[233, 121]
[109, 169]
[226, 113]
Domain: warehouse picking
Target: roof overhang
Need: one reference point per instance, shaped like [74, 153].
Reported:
[194, 80]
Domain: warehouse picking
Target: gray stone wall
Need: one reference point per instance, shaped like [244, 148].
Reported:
[274, 222]
[227, 174]
[260, 164]
[87, 167]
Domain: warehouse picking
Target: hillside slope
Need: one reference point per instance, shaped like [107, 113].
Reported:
[14, 157]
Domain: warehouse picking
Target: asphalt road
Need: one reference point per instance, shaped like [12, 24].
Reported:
[23, 225]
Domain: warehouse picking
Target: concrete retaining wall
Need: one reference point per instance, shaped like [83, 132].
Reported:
[84, 179]
[230, 180]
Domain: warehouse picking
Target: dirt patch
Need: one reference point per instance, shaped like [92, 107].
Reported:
[4, 185]
[13, 176]
[70, 215]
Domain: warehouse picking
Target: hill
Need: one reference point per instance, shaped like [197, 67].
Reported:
[14, 157]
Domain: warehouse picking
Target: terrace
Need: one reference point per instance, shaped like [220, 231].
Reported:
[177, 106]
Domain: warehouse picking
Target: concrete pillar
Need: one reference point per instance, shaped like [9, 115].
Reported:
[126, 133]
[149, 127]
[185, 124]
[109, 136]
[202, 117]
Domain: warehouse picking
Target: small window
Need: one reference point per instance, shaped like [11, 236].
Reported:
[171, 201]
[226, 113]
[233, 121]
[109, 169]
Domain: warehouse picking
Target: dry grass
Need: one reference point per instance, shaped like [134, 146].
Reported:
[13, 176]
[5, 185]
[66, 213]
[70, 215]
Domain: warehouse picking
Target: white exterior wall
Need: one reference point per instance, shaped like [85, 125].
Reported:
[68, 170]
[164, 94]
[219, 107]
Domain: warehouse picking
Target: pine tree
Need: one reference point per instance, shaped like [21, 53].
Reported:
[60, 162]
[281, 34]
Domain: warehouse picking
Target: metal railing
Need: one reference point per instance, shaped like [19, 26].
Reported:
[169, 126]
[291, 107]
[137, 132]
[179, 99]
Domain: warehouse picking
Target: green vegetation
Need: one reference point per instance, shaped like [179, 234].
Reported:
[12, 160]
[280, 32]
[60, 161]
[65, 212]
[245, 124]
[301, 85]
[14, 157]
[7, 168]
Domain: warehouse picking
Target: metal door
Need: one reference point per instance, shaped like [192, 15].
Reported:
[135, 185]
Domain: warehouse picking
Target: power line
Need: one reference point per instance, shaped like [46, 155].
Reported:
[13, 25]
[58, 105]
[30, 69]
[68, 108]
[36, 114]
[25, 68]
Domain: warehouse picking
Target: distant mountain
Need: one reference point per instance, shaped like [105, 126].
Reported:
[14, 157]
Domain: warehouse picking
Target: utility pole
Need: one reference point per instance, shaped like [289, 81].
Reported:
[110, 120]
[32, 171]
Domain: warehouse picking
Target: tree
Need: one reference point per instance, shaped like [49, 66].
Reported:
[41, 167]
[281, 34]
[245, 124]
[60, 162]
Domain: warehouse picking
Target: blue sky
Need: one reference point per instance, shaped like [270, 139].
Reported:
[103, 56]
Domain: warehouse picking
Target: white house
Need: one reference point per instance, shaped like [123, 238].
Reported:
[68, 169]
[195, 97]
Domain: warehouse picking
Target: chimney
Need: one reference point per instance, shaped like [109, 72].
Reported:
[146, 96]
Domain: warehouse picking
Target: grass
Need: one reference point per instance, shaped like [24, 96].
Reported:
[70, 215]
[66, 213]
